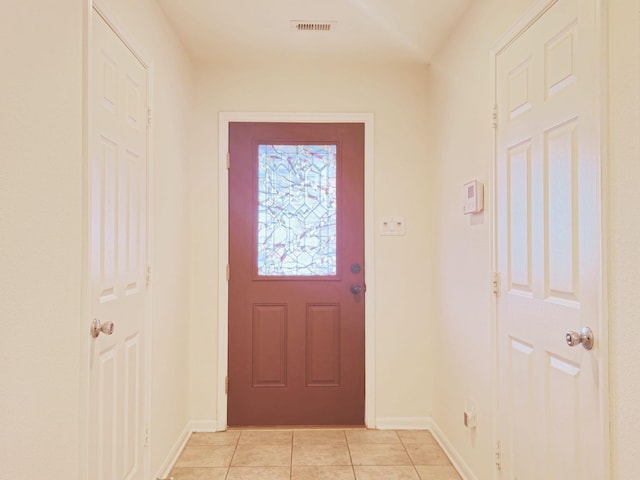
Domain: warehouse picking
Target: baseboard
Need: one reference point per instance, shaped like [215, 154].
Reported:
[403, 423]
[455, 457]
[427, 423]
[176, 450]
[174, 453]
[204, 426]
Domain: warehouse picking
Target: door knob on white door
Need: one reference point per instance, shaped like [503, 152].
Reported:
[585, 337]
[97, 328]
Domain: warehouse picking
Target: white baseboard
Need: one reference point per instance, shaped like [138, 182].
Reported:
[403, 423]
[427, 423]
[204, 426]
[174, 453]
[176, 450]
[455, 457]
[222, 425]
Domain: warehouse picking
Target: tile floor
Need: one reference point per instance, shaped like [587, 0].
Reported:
[353, 454]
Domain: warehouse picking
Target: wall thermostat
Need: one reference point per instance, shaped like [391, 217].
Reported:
[473, 197]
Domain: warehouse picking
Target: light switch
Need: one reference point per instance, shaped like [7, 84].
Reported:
[392, 226]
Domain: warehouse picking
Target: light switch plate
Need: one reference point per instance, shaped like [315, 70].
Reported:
[392, 226]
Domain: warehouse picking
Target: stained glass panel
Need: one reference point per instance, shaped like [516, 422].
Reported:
[296, 210]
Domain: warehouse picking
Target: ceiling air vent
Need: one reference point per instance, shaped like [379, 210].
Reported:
[304, 26]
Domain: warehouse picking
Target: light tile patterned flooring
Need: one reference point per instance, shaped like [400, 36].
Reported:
[353, 454]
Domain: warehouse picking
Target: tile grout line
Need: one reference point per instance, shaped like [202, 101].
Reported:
[353, 468]
[291, 457]
[404, 445]
[232, 455]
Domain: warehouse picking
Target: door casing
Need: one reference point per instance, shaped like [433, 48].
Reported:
[223, 244]
[528, 18]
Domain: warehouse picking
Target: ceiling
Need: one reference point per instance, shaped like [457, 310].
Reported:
[364, 30]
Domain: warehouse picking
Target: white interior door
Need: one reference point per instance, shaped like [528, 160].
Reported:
[549, 247]
[117, 251]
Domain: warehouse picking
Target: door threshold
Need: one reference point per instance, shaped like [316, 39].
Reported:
[298, 427]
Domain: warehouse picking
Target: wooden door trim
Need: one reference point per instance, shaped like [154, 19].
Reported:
[223, 243]
[93, 8]
[513, 33]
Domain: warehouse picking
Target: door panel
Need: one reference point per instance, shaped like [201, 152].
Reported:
[548, 244]
[323, 361]
[296, 331]
[117, 251]
[269, 345]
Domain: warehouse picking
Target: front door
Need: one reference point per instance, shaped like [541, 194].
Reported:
[117, 256]
[550, 414]
[296, 276]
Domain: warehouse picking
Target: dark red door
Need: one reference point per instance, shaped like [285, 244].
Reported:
[296, 285]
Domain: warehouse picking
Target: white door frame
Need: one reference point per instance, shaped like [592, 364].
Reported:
[100, 8]
[223, 242]
[531, 16]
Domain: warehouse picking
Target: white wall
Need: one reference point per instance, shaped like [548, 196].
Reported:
[171, 102]
[624, 279]
[40, 237]
[396, 95]
[41, 209]
[41, 226]
[461, 149]
[460, 93]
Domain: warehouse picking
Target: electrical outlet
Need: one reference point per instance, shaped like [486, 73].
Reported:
[470, 420]
[470, 417]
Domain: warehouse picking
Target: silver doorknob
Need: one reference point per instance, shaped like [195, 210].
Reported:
[585, 337]
[356, 289]
[97, 328]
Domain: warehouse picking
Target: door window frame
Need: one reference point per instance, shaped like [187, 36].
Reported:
[225, 118]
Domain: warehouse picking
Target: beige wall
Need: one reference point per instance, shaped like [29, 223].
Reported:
[432, 306]
[460, 89]
[462, 150]
[40, 237]
[624, 237]
[41, 211]
[396, 95]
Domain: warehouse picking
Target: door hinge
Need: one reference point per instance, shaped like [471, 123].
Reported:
[495, 284]
[498, 457]
[228, 160]
[149, 116]
[494, 117]
[228, 272]
[146, 436]
[226, 385]
[148, 279]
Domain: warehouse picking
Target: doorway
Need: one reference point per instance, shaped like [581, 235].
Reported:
[551, 330]
[296, 282]
[117, 255]
[225, 120]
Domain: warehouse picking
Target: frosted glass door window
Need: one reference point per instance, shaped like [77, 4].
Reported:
[296, 210]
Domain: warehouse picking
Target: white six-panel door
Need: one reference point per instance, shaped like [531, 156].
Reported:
[117, 256]
[548, 247]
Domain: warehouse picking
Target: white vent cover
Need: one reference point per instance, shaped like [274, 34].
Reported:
[311, 26]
